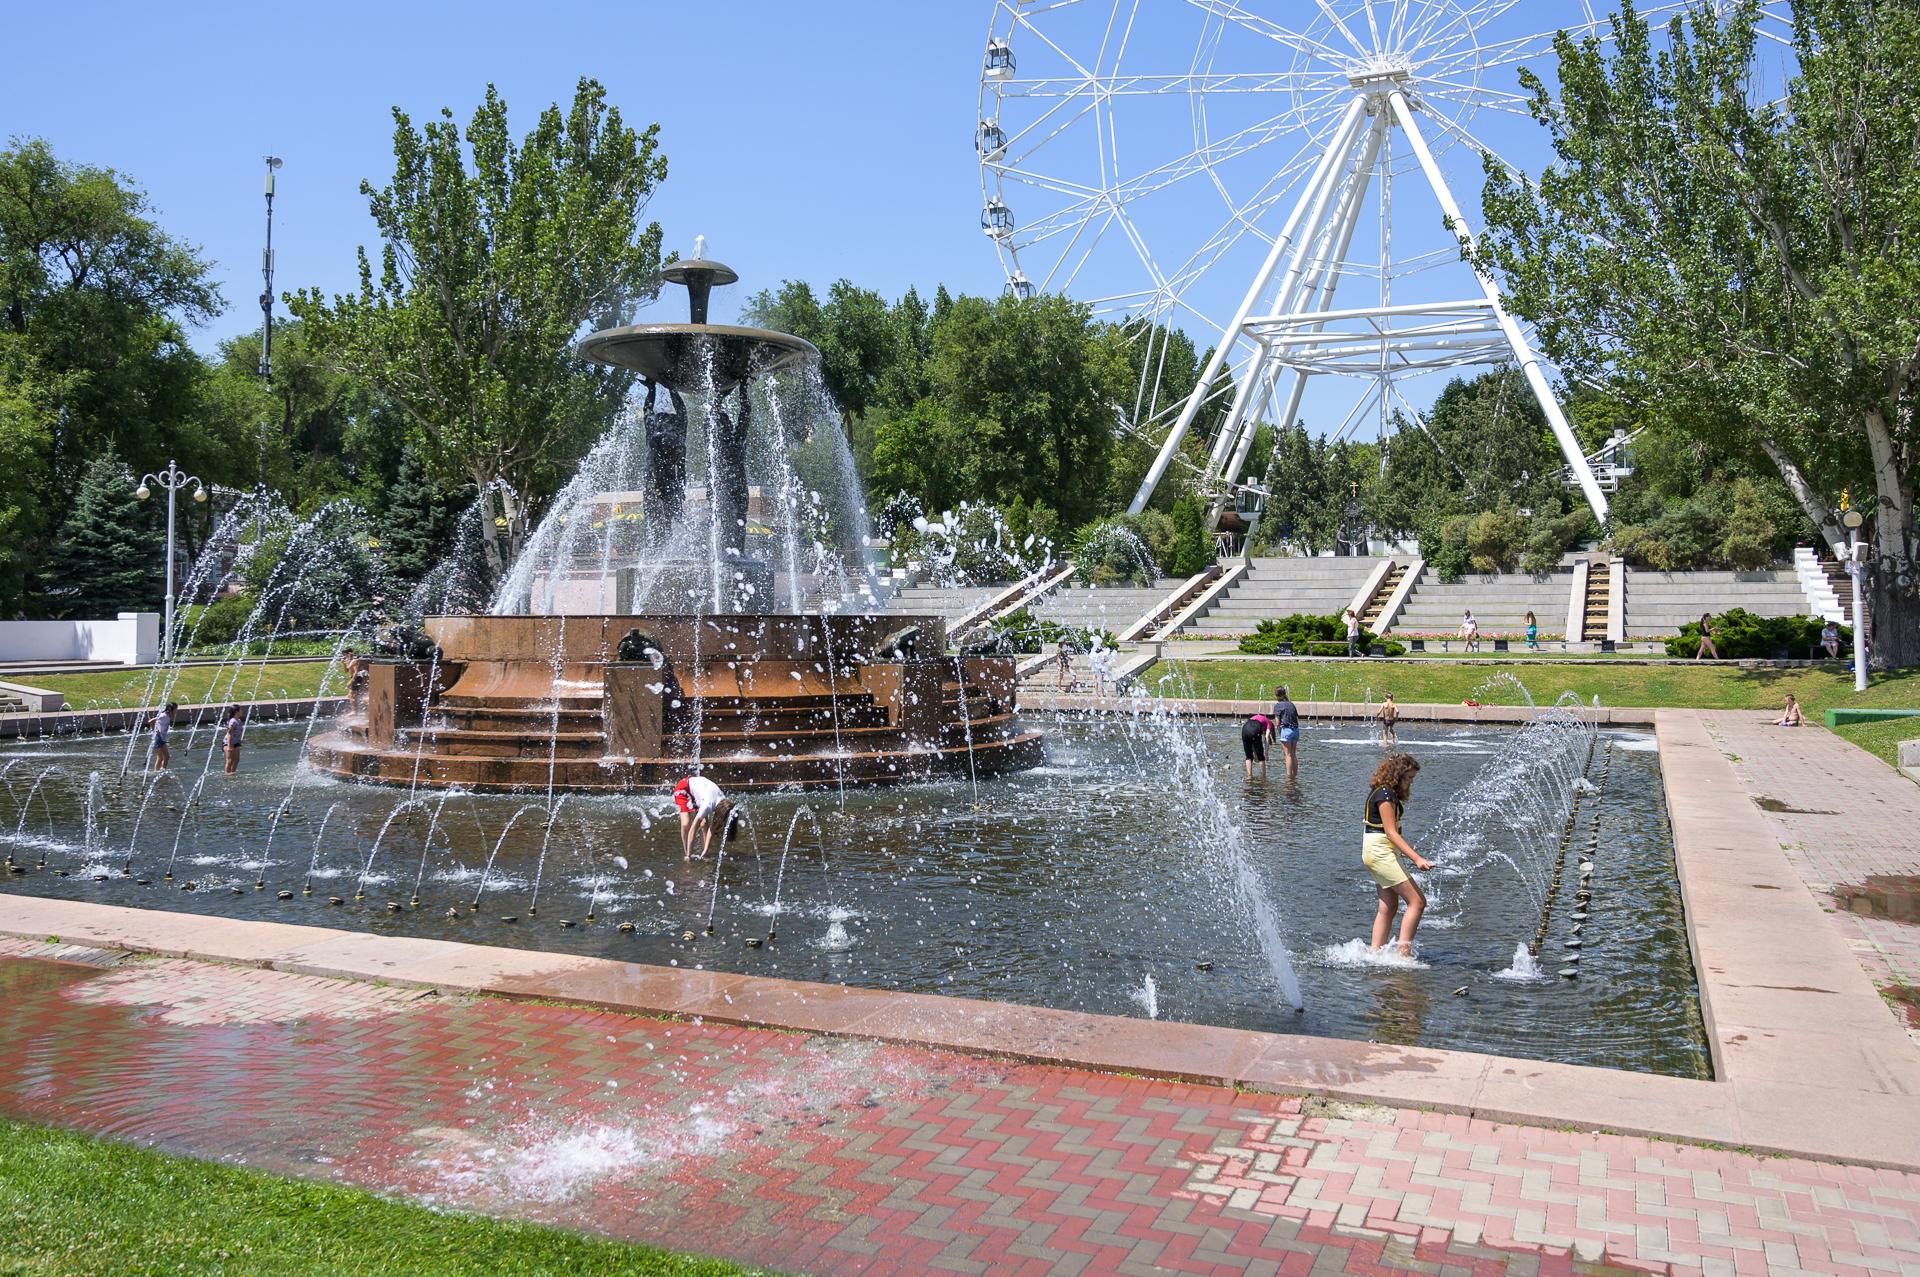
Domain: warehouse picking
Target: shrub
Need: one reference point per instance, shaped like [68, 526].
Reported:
[1548, 538]
[1311, 636]
[1739, 634]
[1111, 551]
[1747, 543]
[219, 622]
[1494, 538]
[1025, 633]
[1444, 546]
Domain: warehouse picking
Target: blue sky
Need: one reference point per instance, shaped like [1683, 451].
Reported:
[805, 141]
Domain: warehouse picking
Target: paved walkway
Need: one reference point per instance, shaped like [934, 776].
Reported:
[1850, 826]
[815, 1154]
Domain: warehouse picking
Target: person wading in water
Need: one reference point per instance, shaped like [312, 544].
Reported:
[1380, 849]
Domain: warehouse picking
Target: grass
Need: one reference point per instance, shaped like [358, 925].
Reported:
[73, 1204]
[1679, 686]
[197, 684]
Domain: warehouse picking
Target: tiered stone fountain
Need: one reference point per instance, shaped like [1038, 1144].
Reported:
[623, 702]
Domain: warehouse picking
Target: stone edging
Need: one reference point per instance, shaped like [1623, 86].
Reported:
[80, 722]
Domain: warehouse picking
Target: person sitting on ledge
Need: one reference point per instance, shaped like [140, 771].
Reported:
[1792, 716]
[1830, 640]
[701, 805]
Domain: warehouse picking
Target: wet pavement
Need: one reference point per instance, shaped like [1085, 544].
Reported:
[814, 1154]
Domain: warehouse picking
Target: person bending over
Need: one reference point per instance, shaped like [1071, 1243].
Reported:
[1380, 848]
[1254, 735]
[701, 805]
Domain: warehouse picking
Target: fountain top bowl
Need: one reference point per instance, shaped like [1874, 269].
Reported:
[696, 357]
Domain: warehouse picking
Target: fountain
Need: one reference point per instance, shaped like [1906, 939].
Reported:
[688, 670]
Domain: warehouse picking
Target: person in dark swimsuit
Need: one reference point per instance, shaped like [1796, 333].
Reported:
[1254, 734]
[1706, 639]
[232, 727]
[1380, 849]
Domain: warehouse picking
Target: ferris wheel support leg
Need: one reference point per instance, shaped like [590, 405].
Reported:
[1301, 278]
[1516, 340]
[1319, 287]
[1342, 140]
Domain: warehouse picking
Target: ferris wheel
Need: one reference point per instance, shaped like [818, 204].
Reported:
[1227, 168]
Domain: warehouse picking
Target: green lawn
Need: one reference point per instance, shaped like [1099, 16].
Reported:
[72, 1204]
[1682, 686]
[198, 684]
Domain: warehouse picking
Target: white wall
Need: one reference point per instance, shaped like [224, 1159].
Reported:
[132, 639]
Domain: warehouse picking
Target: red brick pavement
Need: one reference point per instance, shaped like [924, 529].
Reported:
[818, 1155]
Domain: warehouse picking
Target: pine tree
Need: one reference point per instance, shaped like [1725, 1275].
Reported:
[1192, 547]
[419, 521]
[108, 558]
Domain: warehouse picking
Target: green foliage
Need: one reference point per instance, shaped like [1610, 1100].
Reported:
[1025, 633]
[1321, 493]
[108, 557]
[1547, 539]
[1739, 634]
[1747, 541]
[417, 526]
[1443, 544]
[93, 359]
[1122, 549]
[1192, 549]
[1739, 267]
[495, 253]
[219, 623]
[320, 572]
[1307, 635]
[1494, 539]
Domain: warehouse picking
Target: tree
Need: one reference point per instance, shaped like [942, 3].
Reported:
[1743, 268]
[1192, 547]
[417, 526]
[107, 554]
[487, 275]
[94, 297]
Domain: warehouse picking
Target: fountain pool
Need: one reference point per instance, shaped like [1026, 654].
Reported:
[1092, 883]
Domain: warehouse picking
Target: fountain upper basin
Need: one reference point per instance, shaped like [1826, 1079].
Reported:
[696, 357]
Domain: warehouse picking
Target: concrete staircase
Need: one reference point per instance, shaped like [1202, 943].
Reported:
[1598, 604]
[1111, 608]
[1500, 603]
[1279, 587]
[1828, 589]
[1659, 603]
[936, 600]
[1377, 605]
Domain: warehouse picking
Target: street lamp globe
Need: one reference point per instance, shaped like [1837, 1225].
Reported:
[200, 495]
[1853, 519]
[143, 492]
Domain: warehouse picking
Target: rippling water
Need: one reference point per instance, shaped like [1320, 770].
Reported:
[1067, 886]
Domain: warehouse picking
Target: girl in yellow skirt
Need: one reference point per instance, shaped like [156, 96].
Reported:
[1386, 799]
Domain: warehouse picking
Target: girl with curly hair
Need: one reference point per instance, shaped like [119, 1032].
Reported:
[1386, 800]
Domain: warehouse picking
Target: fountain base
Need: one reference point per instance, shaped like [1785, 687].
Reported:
[527, 703]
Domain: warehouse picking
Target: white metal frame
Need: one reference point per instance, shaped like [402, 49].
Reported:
[1318, 129]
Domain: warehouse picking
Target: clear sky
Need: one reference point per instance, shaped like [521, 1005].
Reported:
[807, 141]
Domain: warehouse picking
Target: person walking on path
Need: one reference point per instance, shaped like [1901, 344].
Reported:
[232, 727]
[1388, 715]
[1286, 727]
[1469, 631]
[1255, 732]
[701, 805]
[1533, 633]
[1380, 848]
[1706, 639]
[1353, 633]
[162, 728]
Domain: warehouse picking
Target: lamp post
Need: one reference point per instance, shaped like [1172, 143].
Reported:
[171, 480]
[1856, 569]
[266, 273]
